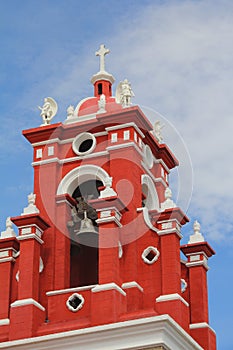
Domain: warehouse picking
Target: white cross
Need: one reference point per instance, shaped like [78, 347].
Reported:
[102, 52]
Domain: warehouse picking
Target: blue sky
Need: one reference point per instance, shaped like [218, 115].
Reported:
[178, 56]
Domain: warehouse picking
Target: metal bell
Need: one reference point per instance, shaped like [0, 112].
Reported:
[87, 234]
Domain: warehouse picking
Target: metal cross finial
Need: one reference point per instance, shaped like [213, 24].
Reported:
[102, 52]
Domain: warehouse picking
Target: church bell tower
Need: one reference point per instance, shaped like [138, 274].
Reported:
[96, 262]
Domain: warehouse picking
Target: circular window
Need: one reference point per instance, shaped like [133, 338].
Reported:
[84, 143]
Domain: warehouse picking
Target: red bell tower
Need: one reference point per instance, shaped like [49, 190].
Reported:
[96, 261]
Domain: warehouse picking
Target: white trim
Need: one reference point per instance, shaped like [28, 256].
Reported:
[80, 174]
[140, 333]
[79, 139]
[126, 125]
[167, 232]
[124, 145]
[132, 284]
[146, 218]
[109, 219]
[157, 179]
[147, 251]
[4, 253]
[71, 308]
[42, 143]
[4, 321]
[7, 260]
[29, 301]
[30, 226]
[101, 133]
[160, 161]
[152, 199]
[46, 161]
[79, 105]
[169, 297]
[198, 263]
[107, 286]
[201, 325]
[70, 290]
[77, 119]
[62, 142]
[32, 235]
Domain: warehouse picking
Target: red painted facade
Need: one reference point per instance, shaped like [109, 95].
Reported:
[120, 277]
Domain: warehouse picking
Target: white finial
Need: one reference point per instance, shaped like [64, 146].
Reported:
[9, 229]
[197, 236]
[70, 112]
[102, 104]
[108, 191]
[31, 208]
[48, 110]
[168, 203]
[157, 131]
[102, 52]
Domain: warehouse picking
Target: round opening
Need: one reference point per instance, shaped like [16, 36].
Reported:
[84, 143]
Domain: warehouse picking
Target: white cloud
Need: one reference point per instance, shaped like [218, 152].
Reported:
[179, 58]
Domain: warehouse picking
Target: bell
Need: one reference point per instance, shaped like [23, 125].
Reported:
[87, 234]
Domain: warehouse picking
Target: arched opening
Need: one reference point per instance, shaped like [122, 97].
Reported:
[84, 252]
[100, 89]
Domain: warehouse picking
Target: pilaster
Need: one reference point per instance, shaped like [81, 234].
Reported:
[170, 301]
[197, 257]
[8, 250]
[26, 312]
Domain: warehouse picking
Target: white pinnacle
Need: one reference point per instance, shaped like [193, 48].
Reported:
[197, 236]
[102, 52]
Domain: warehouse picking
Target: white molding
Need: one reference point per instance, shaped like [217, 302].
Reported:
[146, 218]
[147, 251]
[201, 325]
[109, 219]
[80, 174]
[140, 333]
[152, 199]
[46, 161]
[159, 160]
[62, 142]
[107, 286]
[86, 156]
[80, 297]
[80, 104]
[126, 125]
[101, 133]
[125, 145]
[79, 139]
[7, 260]
[78, 119]
[69, 290]
[30, 226]
[29, 301]
[198, 263]
[4, 321]
[169, 297]
[167, 232]
[155, 179]
[132, 284]
[4, 253]
[32, 235]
